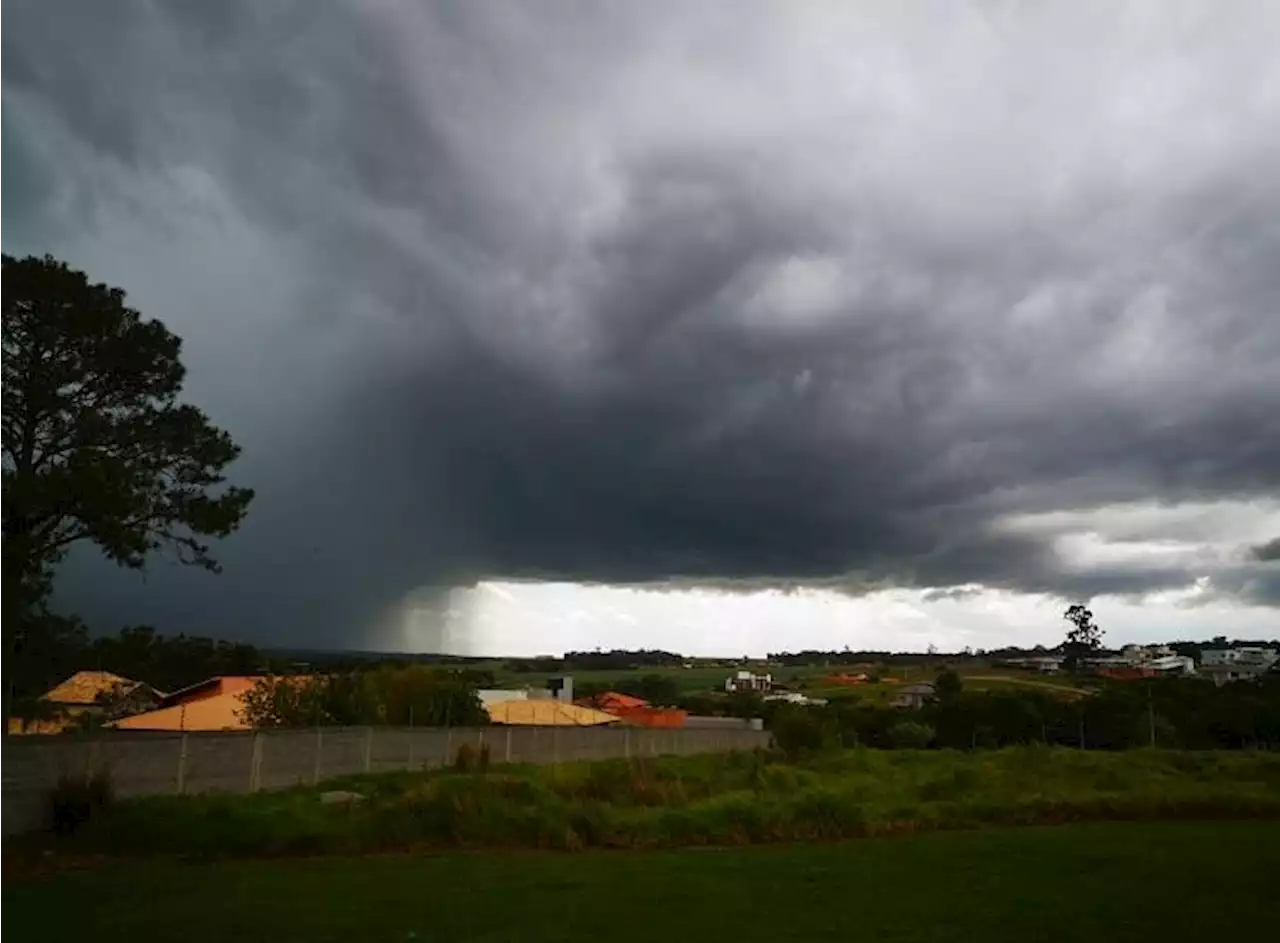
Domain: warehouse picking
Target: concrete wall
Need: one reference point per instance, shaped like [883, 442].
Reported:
[153, 763]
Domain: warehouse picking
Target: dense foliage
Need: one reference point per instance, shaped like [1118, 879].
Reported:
[63, 647]
[97, 447]
[659, 690]
[1189, 713]
[414, 695]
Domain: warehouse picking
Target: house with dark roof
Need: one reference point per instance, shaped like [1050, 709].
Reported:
[913, 696]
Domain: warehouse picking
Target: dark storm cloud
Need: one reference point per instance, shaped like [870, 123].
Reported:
[733, 296]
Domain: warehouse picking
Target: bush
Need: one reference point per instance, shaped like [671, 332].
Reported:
[470, 759]
[911, 735]
[76, 798]
[798, 733]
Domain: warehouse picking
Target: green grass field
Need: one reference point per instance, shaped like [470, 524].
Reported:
[1095, 883]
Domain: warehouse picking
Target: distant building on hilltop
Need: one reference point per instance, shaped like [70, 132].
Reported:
[748, 681]
[1237, 664]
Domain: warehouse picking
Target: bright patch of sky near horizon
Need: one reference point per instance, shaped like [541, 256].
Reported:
[523, 618]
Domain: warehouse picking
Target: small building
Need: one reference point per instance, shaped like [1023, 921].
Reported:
[1251, 655]
[1224, 673]
[613, 702]
[749, 681]
[913, 696]
[635, 711]
[1172, 665]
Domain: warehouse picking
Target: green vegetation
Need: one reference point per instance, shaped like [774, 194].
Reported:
[1189, 881]
[405, 696]
[736, 799]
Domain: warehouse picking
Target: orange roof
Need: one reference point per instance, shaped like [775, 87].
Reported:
[212, 687]
[84, 687]
[220, 712]
[547, 713]
[613, 700]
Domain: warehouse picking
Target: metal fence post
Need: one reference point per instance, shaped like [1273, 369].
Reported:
[506, 754]
[255, 763]
[315, 773]
[182, 764]
[368, 749]
[448, 746]
[626, 742]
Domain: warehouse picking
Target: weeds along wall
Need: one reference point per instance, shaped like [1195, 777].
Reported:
[156, 763]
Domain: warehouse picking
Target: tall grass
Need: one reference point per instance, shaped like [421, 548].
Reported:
[705, 800]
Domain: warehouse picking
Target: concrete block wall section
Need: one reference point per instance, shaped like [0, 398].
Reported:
[149, 764]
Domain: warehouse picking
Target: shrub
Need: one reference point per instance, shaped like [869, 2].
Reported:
[798, 733]
[78, 797]
[911, 735]
[466, 759]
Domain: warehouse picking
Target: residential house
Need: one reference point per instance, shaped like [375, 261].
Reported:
[635, 711]
[101, 695]
[213, 704]
[913, 696]
[1237, 664]
[1245, 654]
[1222, 672]
[748, 681]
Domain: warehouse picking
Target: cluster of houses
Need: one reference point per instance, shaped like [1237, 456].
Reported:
[768, 689]
[102, 698]
[1147, 661]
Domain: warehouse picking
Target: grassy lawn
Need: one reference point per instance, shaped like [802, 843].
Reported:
[1093, 883]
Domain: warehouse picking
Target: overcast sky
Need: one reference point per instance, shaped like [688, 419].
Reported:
[725, 327]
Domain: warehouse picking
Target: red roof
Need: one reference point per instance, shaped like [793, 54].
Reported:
[613, 700]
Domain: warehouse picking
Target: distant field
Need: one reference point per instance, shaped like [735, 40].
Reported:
[699, 679]
[689, 680]
[1077, 883]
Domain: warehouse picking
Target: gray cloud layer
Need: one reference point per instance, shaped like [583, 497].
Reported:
[723, 293]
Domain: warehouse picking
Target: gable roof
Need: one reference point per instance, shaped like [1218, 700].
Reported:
[919, 688]
[614, 700]
[220, 712]
[85, 687]
[211, 687]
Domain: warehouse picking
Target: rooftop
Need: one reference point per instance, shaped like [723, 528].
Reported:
[85, 687]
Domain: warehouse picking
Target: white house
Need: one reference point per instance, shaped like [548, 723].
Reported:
[746, 681]
[1172, 664]
[1245, 655]
[1237, 664]
[1141, 654]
